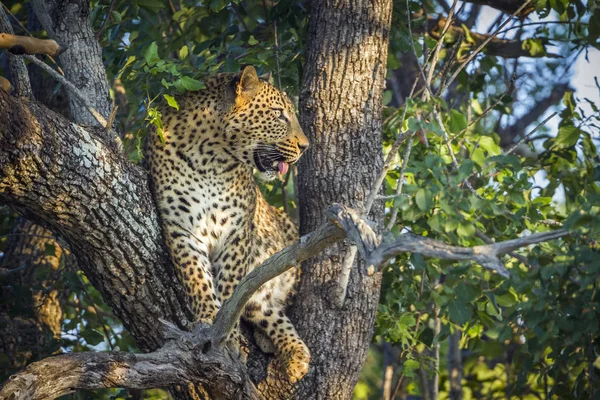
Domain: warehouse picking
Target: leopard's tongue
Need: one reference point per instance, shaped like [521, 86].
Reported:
[282, 167]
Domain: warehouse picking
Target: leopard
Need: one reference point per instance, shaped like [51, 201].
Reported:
[217, 224]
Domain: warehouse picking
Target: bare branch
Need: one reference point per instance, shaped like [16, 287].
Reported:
[485, 255]
[29, 45]
[513, 131]
[72, 89]
[534, 130]
[506, 48]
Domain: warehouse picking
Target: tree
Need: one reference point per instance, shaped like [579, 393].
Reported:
[452, 184]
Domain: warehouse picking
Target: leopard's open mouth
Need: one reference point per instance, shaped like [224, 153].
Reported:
[270, 160]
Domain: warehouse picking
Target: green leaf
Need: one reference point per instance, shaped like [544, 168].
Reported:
[171, 101]
[568, 136]
[407, 320]
[116, 17]
[187, 83]
[466, 169]
[424, 199]
[151, 54]
[534, 46]
[183, 52]
[489, 144]
[594, 25]
[506, 300]
[409, 367]
[478, 156]
[465, 229]
[457, 122]
[459, 312]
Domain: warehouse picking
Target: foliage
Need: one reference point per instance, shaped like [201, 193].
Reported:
[533, 335]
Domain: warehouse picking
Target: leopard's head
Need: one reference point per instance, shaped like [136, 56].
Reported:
[262, 126]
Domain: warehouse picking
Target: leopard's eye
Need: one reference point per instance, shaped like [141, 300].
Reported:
[279, 114]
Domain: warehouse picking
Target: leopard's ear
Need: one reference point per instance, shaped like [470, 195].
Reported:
[248, 86]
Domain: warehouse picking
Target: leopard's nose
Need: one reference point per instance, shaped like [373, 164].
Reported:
[302, 147]
[302, 141]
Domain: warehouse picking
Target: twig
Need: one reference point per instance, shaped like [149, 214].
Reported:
[437, 327]
[490, 108]
[526, 137]
[482, 45]
[106, 20]
[391, 196]
[72, 88]
[438, 45]
[390, 158]
[400, 182]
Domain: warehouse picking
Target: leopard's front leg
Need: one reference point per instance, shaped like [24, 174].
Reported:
[231, 265]
[195, 272]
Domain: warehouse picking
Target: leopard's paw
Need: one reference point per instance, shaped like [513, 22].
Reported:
[295, 361]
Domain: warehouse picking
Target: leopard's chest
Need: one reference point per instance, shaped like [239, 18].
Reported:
[213, 210]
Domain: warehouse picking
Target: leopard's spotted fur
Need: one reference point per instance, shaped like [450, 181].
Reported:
[217, 225]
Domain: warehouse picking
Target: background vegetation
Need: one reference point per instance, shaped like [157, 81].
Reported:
[481, 160]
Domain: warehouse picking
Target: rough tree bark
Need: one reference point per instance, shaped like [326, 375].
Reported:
[340, 110]
[67, 23]
[58, 174]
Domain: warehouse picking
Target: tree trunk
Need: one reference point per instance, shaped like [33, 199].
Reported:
[340, 110]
